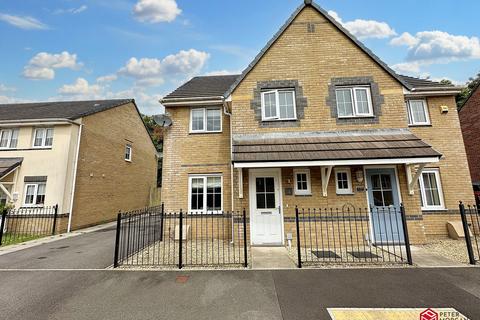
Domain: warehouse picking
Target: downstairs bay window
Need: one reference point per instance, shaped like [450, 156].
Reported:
[205, 194]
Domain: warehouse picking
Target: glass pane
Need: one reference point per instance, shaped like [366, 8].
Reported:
[14, 139]
[362, 101]
[261, 201]
[30, 193]
[377, 198]
[270, 200]
[260, 185]
[386, 181]
[49, 138]
[344, 102]
[388, 198]
[270, 184]
[431, 189]
[39, 137]
[287, 109]
[270, 105]
[375, 182]
[418, 112]
[213, 120]
[197, 194]
[302, 181]
[4, 138]
[197, 120]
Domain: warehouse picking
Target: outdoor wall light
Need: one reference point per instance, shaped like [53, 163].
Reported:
[359, 176]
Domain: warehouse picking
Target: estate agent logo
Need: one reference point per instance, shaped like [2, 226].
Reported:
[429, 314]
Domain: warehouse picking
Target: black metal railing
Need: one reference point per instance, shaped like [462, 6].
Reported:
[24, 224]
[471, 228]
[351, 235]
[154, 237]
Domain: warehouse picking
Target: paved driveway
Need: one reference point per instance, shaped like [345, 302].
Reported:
[292, 294]
[92, 250]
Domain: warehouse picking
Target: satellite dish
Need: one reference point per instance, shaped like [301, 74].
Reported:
[162, 120]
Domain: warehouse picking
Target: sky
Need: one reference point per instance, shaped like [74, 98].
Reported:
[144, 49]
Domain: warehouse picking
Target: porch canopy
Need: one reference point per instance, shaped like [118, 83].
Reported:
[7, 166]
[329, 149]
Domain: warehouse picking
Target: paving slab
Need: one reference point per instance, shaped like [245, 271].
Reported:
[423, 258]
[273, 258]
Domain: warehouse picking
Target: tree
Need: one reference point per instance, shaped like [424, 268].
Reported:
[155, 131]
[471, 85]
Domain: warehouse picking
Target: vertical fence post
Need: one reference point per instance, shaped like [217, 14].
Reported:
[2, 224]
[466, 230]
[299, 252]
[406, 235]
[117, 240]
[245, 252]
[180, 241]
[162, 213]
[55, 216]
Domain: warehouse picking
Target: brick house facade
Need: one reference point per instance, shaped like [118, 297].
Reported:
[469, 115]
[315, 121]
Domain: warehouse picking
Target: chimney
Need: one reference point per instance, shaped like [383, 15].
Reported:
[308, 2]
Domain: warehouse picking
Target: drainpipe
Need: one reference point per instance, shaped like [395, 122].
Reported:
[225, 111]
[75, 165]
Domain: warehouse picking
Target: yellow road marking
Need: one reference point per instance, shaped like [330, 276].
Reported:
[390, 314]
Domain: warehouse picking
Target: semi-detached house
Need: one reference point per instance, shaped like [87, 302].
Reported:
[315, 121]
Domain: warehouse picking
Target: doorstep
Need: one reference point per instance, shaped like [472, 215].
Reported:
[423, 258]
[272, 258]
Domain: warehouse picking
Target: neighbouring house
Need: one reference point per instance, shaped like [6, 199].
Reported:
[91, 158]
[315, 121]
[469, 115]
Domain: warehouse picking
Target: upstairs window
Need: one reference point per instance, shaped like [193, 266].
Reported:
[354, 102]
[417, 112]
[205, 120]
[43, 138]
[279, 104]
[8, 138]
[128, 153]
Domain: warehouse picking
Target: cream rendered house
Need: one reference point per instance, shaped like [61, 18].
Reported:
[83, 156]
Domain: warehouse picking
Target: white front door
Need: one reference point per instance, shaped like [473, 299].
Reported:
[265, 207]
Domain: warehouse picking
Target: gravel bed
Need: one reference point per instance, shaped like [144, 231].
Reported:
[455, 250]
[195, 254]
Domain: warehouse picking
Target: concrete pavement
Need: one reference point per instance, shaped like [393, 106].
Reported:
[287, 294]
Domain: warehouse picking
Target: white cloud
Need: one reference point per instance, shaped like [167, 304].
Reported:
[8, 100]
[366, 29]
[222, 73]
[155, 11]
[405, 39]
[81, 89]
[71, 10]
[407, 67]
[147, 103]
[23, 22]
[107, 78]
[152, 72]
[42, 66]
[4, 88]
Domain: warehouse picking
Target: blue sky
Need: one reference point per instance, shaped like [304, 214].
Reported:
[88, 49]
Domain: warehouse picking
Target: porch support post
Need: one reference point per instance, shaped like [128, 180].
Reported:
[240, 183]
[9, 195]
[326, 173]
[413, 179]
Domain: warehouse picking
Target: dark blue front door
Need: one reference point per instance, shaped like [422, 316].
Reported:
[384, 201]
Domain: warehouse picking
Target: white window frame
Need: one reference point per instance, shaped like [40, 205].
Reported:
[425, 109]
[309, 186]
[440, 190]
[130, 148]
[353, 92]
[277, 105]
[205, 130]
[35, 194]
[11, 132]
[43, 145]
[349, 190]
[204, 177]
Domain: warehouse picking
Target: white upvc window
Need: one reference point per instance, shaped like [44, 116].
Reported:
[343, 181]
[9, 138]
[205, 194]
[302, 182]
[204, 120]
[34, 194]
[43, 138]
[354, 102]
[418, 112]
[279, 104]
[431, 190]
[128, 153]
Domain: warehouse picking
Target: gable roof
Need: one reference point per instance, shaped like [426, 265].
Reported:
[203, 87]
[337, 25]
[8, 164]
[69, 110]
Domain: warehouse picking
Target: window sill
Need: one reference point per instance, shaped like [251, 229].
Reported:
[419, 125]
[129, 161]
[434, 209]
[280, 120]
[345, 194]
[204, 132]
[303, 194]
[357, 117]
